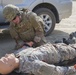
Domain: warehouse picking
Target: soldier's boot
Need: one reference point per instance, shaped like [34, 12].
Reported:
[73, 34]
[65, 41]
[72, 38]
[69, 41]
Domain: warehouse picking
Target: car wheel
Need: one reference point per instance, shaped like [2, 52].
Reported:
[49, 19]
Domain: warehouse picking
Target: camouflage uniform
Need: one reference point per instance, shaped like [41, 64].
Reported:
[29, 27]
[41, 60]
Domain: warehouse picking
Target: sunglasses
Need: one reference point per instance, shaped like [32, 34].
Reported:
[14, 18]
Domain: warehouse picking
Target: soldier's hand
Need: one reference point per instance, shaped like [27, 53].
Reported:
[75, 66]
[37, 39]
[30, 43]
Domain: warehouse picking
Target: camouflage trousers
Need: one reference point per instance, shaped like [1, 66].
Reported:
[54, 54]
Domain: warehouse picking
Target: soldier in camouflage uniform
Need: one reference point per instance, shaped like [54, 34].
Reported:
[40, 60]
[25, 25]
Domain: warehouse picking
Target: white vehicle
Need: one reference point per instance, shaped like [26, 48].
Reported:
[51, 11]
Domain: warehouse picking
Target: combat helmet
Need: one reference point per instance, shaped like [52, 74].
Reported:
[10, 11]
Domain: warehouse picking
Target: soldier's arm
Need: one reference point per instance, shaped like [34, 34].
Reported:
[12, 30]
[37, 24]
[14, 34]
[44, 68]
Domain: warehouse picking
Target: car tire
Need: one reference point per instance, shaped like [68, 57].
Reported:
[49, 19]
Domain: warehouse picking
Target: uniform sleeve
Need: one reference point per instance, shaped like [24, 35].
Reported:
[12, 30]
[42, 68]
[37, 24]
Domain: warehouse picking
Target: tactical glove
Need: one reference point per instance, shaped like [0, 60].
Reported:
[37, 39]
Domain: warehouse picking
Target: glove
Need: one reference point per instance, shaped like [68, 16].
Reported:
[37, 39]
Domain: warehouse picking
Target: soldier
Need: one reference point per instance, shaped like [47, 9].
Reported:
[25, 25]
[40, 60]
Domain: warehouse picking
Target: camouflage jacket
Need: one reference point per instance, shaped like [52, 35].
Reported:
[41, 60]
[29, 27]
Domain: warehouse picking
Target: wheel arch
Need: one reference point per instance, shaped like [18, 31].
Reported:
[49, 6]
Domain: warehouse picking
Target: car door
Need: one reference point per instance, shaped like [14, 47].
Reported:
[15, 2]
[1, 16]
